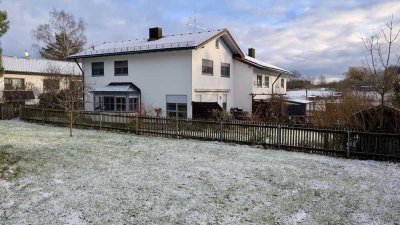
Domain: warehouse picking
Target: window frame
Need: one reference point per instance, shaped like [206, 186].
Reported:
[116, 68]
[12, 86]
[223, 69]
[259, 84]
[101, 74]
[205, 69]
[266, 81]
[116, 103]
[57, 86]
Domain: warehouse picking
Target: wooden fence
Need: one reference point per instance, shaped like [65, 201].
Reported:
[8, 112]
[343, 143]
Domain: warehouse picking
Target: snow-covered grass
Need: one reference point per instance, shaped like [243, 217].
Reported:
[109, 178]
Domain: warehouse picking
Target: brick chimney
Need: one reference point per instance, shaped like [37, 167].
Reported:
[252, 52]
[155, 33]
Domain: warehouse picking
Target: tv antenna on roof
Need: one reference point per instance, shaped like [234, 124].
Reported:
[193, 23]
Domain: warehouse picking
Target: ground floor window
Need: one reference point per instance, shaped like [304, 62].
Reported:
[178, 110]
[110, 103]
[177, 106]
[133, 104]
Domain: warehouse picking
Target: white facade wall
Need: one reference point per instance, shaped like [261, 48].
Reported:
[156, 74]
[272, 76]
[245, 83]
[207, 88]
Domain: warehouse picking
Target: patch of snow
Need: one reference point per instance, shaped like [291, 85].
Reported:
[298, 217]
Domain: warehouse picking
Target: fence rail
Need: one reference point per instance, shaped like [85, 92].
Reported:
[342, 143]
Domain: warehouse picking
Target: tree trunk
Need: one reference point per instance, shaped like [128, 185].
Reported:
[70, 124]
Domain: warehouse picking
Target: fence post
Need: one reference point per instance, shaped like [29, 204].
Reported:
[137, 124]
[101, 121]
[348, 144]
[221, 134]
[177, 127]
[20, 111]
[279, 136]
[42, 116]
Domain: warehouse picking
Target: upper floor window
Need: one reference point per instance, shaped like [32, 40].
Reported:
[266, 81]
[51, 85]
[225, 70]
[97, 68]
[121, 68]
[207, 67]
[217, 44]
[282, 83]
[12, 84]
[259, 81]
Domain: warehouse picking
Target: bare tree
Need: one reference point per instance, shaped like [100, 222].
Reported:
[4, 25]
[63, 35]
[64, 90]
[381, 63]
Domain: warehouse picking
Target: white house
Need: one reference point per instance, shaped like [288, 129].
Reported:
[24, 79]
[171, 72]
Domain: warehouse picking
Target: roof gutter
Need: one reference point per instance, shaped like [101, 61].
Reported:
[128, 53]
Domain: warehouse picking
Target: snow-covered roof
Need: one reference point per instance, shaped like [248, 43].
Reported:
[262, 64]
[167, 42]
[41, 66]
[301, 94]
[297, 100]
[118, 87]
[173, 42]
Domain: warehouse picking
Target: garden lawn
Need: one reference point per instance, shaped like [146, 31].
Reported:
[99, 177]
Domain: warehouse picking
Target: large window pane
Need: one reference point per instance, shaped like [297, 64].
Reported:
[182, 107]
[171, 106]
[121, 103]
[109, 103]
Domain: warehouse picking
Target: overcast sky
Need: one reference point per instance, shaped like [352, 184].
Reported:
[314, 37]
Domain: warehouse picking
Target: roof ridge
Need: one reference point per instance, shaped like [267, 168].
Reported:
[168, 35]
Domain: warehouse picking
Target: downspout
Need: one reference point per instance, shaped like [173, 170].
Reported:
[273, 84]
[83, 81]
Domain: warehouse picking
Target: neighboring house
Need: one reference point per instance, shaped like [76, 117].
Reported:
[169, 73]
[25, 79]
